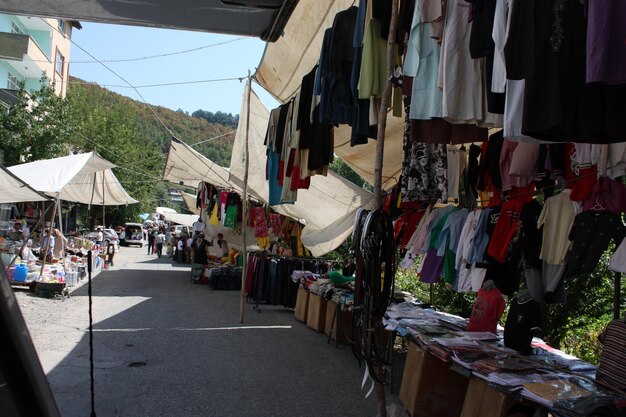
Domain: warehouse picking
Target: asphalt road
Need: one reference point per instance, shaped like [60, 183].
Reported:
[166, 347]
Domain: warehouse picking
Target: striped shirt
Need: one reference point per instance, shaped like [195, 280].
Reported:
[612, 369]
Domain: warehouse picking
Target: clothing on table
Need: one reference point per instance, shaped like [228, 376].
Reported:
[487, 311]
[523, 322]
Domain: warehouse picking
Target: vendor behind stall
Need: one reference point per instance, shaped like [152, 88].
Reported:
[60, 242]
[46, 242]
[16, 233]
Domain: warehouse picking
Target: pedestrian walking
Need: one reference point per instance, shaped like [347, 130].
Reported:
[160, 240]
[150, 242]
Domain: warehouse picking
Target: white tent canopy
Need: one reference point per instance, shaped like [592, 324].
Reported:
[82, 178]
[14, 190]
[294, 55]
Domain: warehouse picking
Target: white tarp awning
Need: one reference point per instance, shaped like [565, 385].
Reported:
[186, 166]
[327, 207]
[190, 202]
[14, 190]
[83, 178]
[182, 219]
[294, 55]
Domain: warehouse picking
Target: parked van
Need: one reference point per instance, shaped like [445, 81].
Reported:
[134, 234]
[177, 229]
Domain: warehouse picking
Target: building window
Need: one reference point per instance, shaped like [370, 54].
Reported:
[62, 26]
[58, 65]
[16, 29]
[12, 82]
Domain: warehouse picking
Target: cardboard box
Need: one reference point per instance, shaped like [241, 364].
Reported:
[429, 388]
[316, 314]
[481, 400]
[302, 305]
[342, 326]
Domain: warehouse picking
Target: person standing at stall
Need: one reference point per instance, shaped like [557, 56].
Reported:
[46, 246]
[60, 242]
[99, 237]
[198, 228]
[110, 253]
[222, 244]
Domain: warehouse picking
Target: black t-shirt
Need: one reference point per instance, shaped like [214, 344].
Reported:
[522, 323]
[591, 234]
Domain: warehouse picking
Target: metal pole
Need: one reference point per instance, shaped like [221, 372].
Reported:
[244, 251]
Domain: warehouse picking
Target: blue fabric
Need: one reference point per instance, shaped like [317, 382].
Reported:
[273, 162]
[481, 239]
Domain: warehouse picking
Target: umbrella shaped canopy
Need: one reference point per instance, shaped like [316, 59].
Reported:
[82, 178]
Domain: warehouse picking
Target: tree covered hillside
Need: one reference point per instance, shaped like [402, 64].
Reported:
[190, 129]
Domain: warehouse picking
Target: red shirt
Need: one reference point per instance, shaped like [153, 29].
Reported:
[487, 310]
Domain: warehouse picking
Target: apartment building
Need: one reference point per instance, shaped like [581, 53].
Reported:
[31, 47]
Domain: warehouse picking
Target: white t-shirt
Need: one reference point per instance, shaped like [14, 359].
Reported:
[198, 226]
[99, 237]
[180, 245]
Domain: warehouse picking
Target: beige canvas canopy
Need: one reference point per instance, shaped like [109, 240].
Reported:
[14, 190]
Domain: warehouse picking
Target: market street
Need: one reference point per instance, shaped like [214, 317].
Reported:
[166, 347]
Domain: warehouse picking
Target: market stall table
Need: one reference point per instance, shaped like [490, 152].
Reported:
[451, 372]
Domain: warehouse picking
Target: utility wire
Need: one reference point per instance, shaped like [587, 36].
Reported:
[162, 84]
[121, 78]
[143, 58]
[214, 137]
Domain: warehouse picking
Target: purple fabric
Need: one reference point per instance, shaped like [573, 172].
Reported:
[606, 41]
[432, 269]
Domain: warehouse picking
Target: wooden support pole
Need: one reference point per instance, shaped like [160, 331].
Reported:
[47, 248]
[378, 167]
[244, 251]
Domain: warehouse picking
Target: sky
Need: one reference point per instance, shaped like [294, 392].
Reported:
[217, 57]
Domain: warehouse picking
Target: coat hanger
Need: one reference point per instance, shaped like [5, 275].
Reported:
[598, 206]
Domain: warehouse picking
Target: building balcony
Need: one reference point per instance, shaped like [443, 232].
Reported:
[23, 54]
[37, 23]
